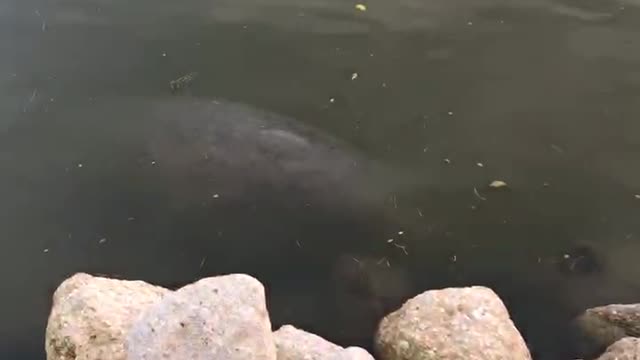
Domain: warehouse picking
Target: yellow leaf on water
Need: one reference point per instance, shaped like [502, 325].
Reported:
[497, 184]
[361, 7]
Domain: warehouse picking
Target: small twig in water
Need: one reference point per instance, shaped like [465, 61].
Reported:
[557, 148]
[419, 212]
[475, 191]
[203, 261]
[403, 248]
[44, 23]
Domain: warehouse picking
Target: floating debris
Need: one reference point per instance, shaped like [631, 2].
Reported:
[361, 7]
[381, 261]
[215, 196]
[470, 23]
[475, 191]
[545, 184]
[450, 113]
[80, 165]
[419, 212]
[182, 82]
[480, 164]
[637, 196]
[390, 241]
[557, 148]
[102, 241]
[45, 251]
[454, 258]
[33, 95]
[497, 184]
[130, 218]
[447, 161]
[298, 243]
[203, 261]
[354, 76]
[400, 232]
[402, 247]
[43, 26]
[332, 100]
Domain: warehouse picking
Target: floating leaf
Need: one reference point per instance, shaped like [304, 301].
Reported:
[497, 184]
[361, 7]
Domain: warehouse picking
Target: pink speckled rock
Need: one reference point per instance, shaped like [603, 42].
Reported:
[451, 324]
[91, 315]
[295, 344]
[624, 349]
[221, 317]
[604, 325]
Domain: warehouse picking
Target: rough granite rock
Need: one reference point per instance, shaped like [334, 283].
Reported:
[605, 325]
[221, 317]
[91, 316]
[295, 344]
[457, 323]
[624, 349]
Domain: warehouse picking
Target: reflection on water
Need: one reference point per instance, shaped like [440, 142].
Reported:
[540, 94]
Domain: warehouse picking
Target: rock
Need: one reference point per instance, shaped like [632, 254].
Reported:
[604, 325]
[624, 349]
[295, 344]
[91, 315]
[221, 317]
[457, 323]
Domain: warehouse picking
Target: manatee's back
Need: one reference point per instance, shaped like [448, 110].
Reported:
[224, 177]
[235, 147]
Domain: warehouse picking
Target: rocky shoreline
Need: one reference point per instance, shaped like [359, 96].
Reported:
[226, 317]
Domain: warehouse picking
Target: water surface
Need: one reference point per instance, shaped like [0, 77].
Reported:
[540, 94]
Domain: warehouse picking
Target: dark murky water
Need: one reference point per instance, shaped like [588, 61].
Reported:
[451, 95]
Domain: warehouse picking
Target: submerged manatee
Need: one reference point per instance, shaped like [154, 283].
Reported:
[172, 189]
[177, 187]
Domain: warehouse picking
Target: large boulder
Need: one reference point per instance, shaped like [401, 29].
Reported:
[295, 344]
[457, 323]
[91, 316]
[221, 317]
[624, 349]
[602, 326]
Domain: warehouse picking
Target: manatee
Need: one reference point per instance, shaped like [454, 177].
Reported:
[176, 187]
